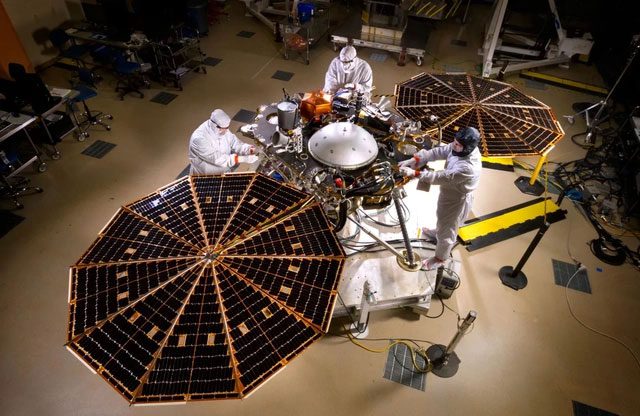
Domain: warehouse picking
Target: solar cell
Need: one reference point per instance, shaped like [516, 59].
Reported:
[510, 122]
[204, 289]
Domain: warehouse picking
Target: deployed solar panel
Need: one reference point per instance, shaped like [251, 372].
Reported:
[510, 122]
[204, 289]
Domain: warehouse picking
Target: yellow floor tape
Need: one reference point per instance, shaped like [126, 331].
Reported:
[508, 219]
[563, 82]
[507, 161]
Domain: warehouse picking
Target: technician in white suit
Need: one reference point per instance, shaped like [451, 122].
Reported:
[457, 181]
[346, 69]
[214, 149]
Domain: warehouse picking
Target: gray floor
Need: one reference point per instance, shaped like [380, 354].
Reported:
[525, 356]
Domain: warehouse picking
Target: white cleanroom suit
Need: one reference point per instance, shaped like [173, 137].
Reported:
[457, 181]
[214, 149]
[348, 69]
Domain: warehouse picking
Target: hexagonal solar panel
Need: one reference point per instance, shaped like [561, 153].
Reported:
[204, 289]
[510, 122]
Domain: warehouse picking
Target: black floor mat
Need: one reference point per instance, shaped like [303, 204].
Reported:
[562, 272]
[581, 409]
[245, 34]
[209, 61]
[185, 172]
[458, 42]
[399, 368]
[8, 220]
[163, 98]
[282, 75]
[244, 116]
[98, 149]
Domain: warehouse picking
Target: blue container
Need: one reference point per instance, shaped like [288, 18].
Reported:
[305, 11]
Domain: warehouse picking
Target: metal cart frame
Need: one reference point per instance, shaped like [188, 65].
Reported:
[175, 60]
[310, 31]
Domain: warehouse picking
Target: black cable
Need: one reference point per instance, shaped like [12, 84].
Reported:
[441, 311]
[412, 340]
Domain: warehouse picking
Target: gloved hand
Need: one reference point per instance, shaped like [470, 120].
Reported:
[248, 159]
[409, 163]
[408, 172]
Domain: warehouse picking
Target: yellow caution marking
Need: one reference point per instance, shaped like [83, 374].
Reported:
[506, 161]
[562, 82]
[506, 220]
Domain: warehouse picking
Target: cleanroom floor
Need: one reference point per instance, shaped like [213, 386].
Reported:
[526, 354]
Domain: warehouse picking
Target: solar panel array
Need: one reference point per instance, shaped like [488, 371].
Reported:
[510, 122]
[204, 289]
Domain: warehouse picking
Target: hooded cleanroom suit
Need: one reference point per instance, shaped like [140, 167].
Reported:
[457, 181]
[211, 152]
[360, 75]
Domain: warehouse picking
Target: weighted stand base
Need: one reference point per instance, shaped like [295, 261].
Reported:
[353, 329]
[516, 282]
[442, 367]
[584, 140]
[522, 183]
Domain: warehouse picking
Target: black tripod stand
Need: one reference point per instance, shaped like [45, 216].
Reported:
[591, 133]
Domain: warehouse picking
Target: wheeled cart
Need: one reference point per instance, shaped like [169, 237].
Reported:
[175, 60]
[412, 41]
[300, 37]
[17, 152]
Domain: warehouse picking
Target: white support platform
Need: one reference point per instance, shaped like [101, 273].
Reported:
[339, 41]
[393, 286]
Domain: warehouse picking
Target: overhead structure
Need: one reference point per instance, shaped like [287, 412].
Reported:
[204, 289]
[557, 52]
[510, 122]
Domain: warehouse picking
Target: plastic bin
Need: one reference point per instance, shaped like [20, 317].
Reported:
[305, 11]
[197, 15]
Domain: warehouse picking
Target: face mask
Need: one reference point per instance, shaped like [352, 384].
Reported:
[219, 129]
[348, 66]
[466, 150]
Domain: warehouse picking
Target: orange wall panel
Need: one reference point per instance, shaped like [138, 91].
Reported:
[11, 49]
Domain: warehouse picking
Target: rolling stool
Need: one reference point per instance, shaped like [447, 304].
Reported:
[11, 187]
[67, 48]
[130, 79]
[91, 118]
